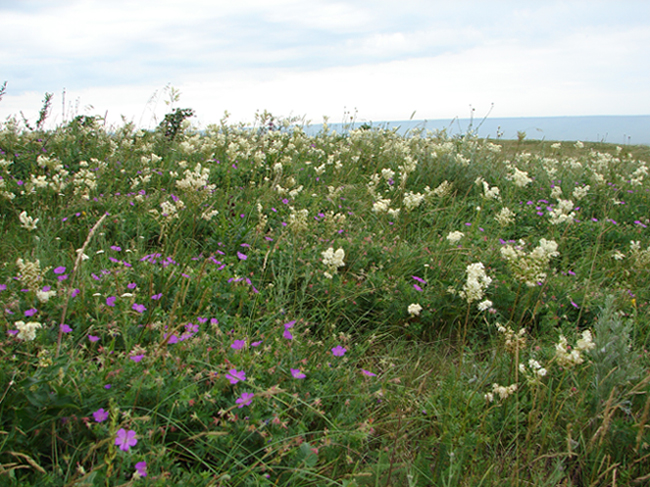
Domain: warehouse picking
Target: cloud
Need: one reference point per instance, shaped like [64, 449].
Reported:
[320, 57]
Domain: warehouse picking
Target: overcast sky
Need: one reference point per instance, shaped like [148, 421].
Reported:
[314, 58]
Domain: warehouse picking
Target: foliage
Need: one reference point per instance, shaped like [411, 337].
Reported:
[259, 306]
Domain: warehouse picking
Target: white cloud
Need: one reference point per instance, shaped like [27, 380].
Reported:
[319, 57]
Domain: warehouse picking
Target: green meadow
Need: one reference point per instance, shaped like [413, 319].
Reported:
[253, 306]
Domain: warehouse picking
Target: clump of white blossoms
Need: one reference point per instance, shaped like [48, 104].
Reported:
[477, 283]
[530, 268]
[512, 341]
[443, 189]
[534, 372]
[580, 192]
[562, 213]
[412, 200]
[195, 182]
[520, 178]
[568, 357]
[333, 260]
[490, 193]
[298, 219]
[504, 392]
[454, 237]
[27, 221]
[414, 309]
[27, 331]
[30, 274]
[505, 217]
[382, 205]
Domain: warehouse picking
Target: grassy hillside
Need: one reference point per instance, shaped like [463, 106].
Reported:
[257, 307]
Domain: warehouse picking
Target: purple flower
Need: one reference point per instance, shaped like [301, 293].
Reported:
[238, 344]
[233, 376]
[338, 351]
[141, 469]
[574, 304]
[419, 279]
[59, 270]
[417, 288]
[139, 307]
[115, 248]
[75, 293]
[368, 373]
[107, 386]
[110, 301]
[242, 256]
[31, 312]
[93, 338]
[136, 358]
[289, 325]
[287, 334]
[297, 374]
[202, 320]
[132, 285]
[125, 439]
[63, 277]
[3, 287]
[245, 399]
[256, 344]
[100, 415]
[156, 296]
[65, 328]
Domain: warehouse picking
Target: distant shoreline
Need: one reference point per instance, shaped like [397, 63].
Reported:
[613, 129]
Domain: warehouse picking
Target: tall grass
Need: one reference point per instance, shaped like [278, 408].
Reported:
[177, 310]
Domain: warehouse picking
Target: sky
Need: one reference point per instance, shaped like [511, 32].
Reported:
[374, 60]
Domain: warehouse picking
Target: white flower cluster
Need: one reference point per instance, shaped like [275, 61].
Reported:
[534, 372]
[414, 309]
[520, 178]
[169, 210]
[562, 213]
[27, 221]
[530, 268]
[442, 190]
[412, 200]
[505, 217]
[8, 195]
[580, 192]
[333, 260]
[298, 219]
[490, 193]
[454, 237]
[502, 391]
[27, 331]
[568, 358]
[196, 182]
[513, 341]
[477, 283]
[30, 273]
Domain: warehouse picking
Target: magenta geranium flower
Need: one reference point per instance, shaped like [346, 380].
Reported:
[238, 344]
[242, 256]
[297, 374]
[65, 328]
[139, 307]
[245, 399]
[136, 358]
[100, 415]
[110, 301]
[234, 376]
[368, 373]
[59, 270]
[338, 351]
[93, 338]
[287, 334]
[141, 469]
[125, 439]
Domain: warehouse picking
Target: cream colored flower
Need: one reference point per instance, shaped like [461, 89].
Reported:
[414, 309]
